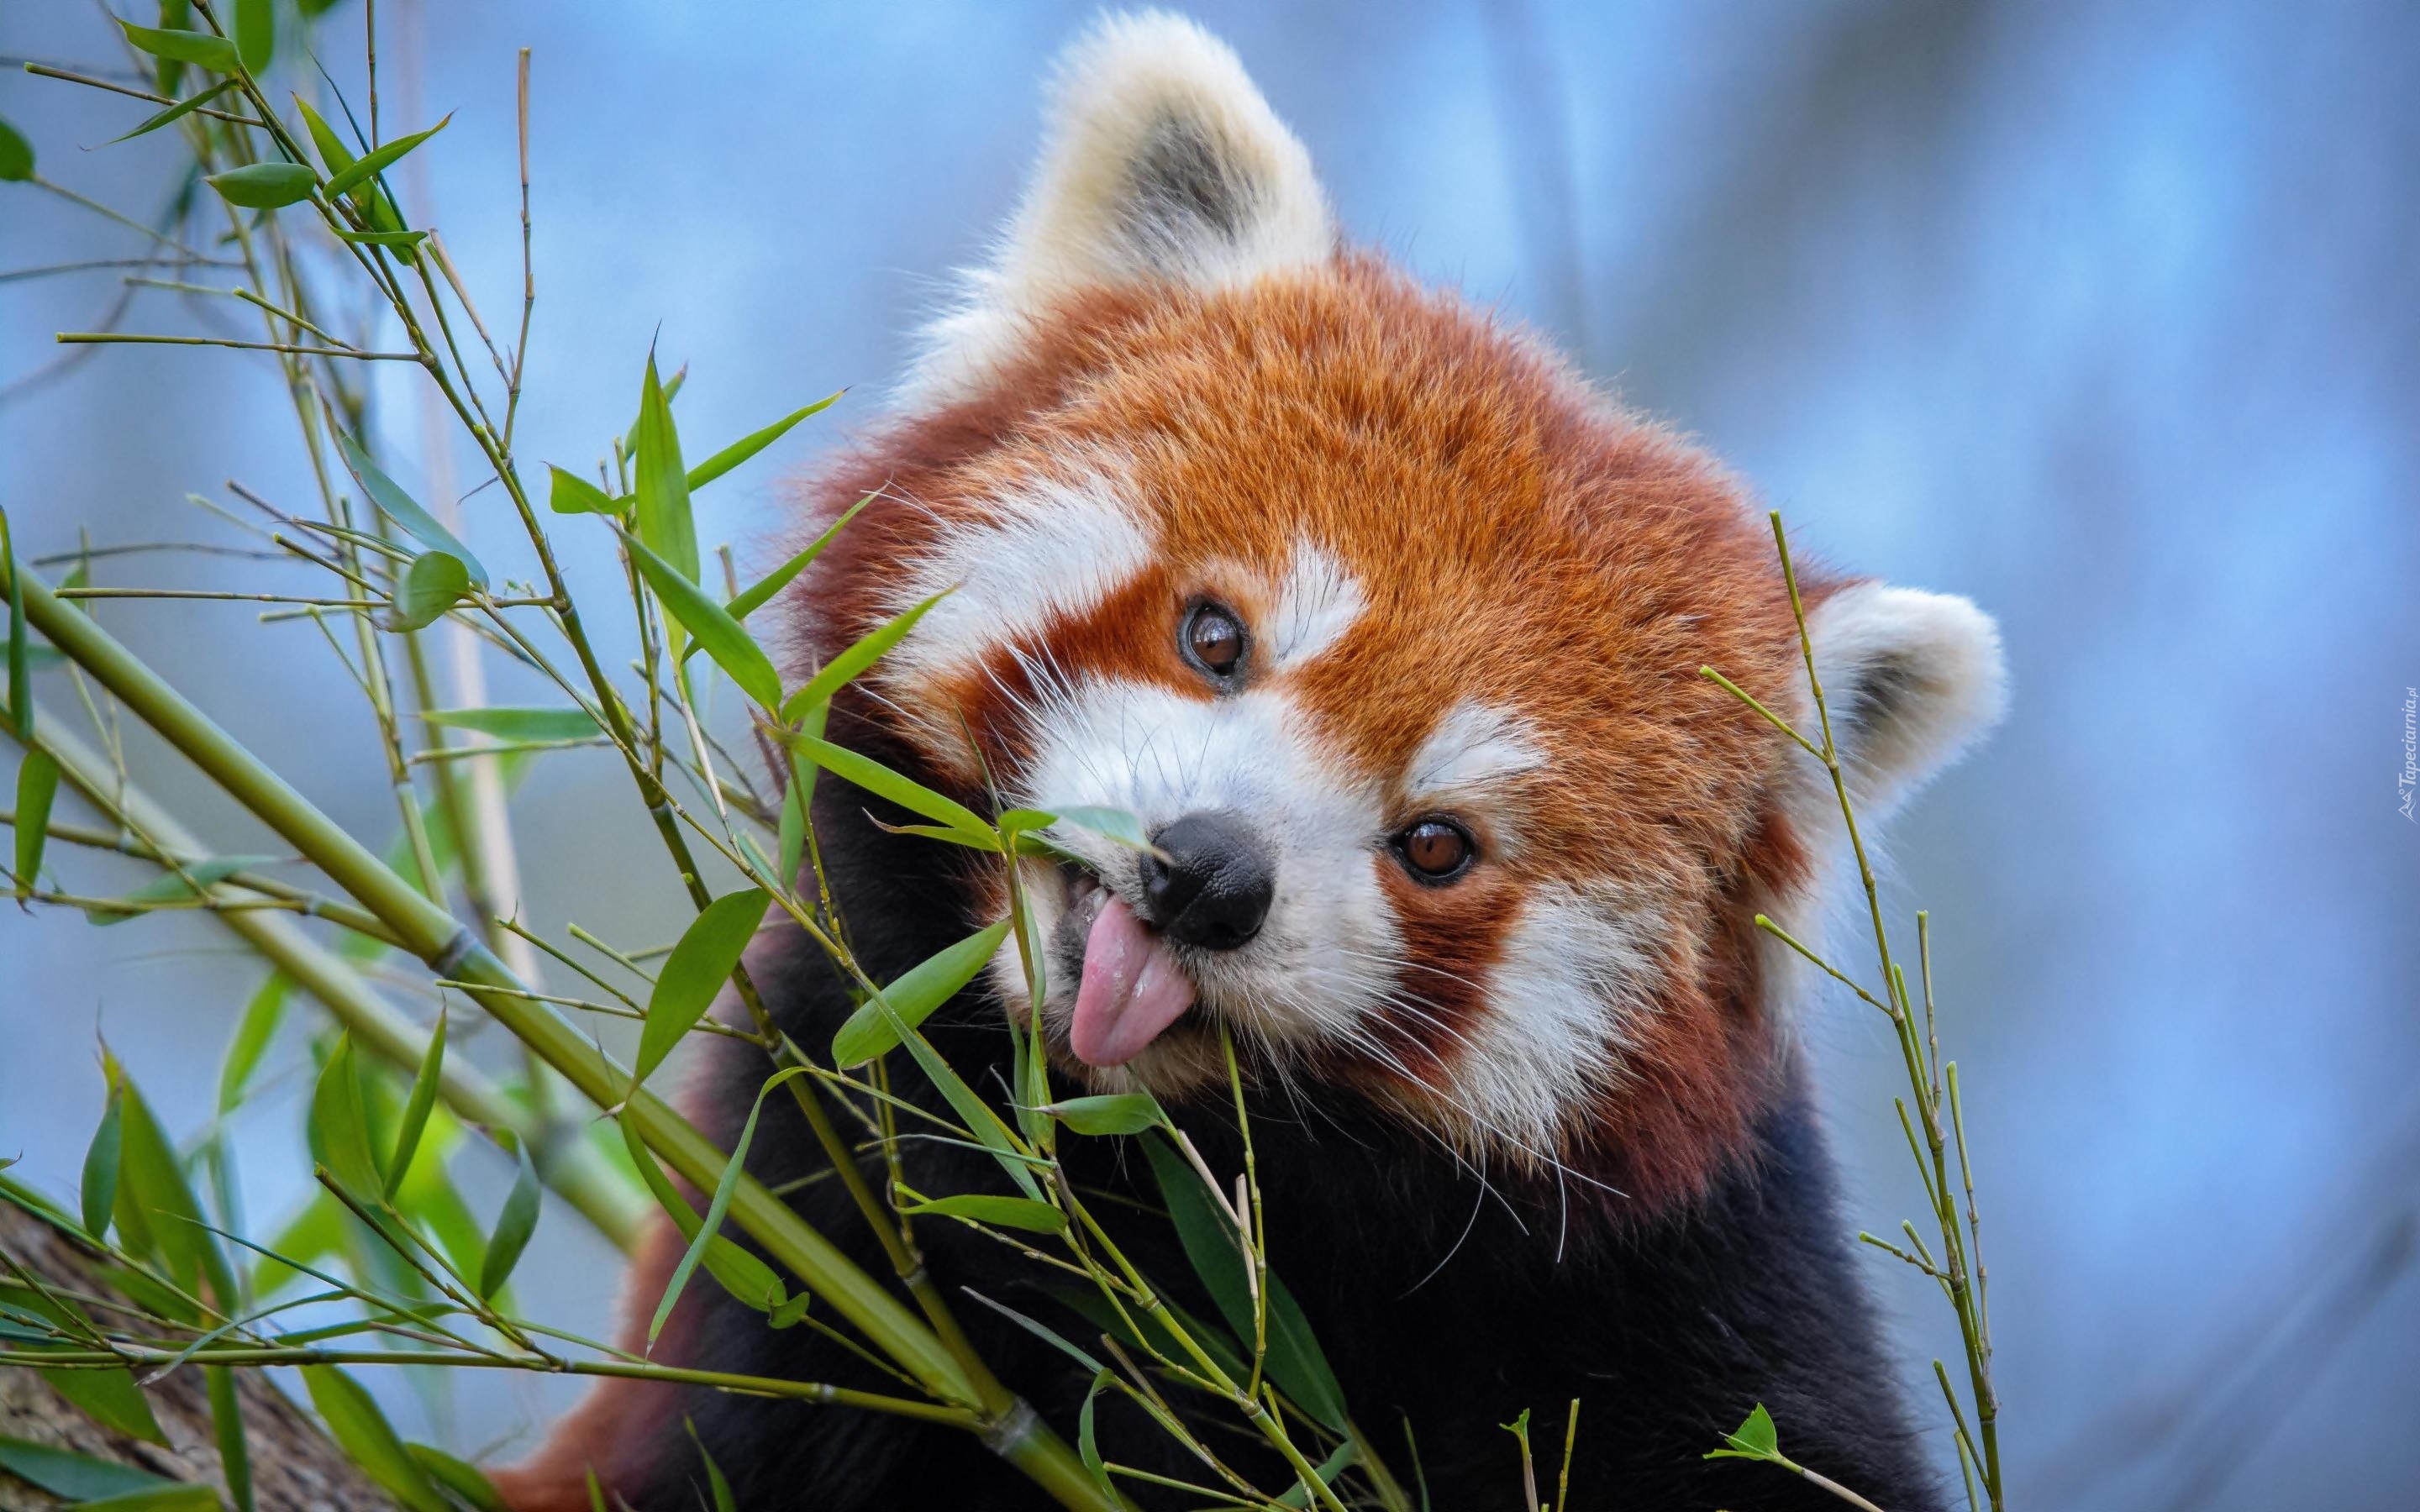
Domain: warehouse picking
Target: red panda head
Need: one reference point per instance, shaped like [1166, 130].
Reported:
[1387, 628]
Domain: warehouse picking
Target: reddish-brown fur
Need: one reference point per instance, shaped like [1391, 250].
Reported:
[1516, 535]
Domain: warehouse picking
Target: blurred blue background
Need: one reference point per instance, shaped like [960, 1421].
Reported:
[2107, 315]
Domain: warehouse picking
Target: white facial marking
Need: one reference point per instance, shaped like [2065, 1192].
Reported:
[1323, 958]
[1577, 968]
[1473, 745]
[1056, 547]
[1316, 603]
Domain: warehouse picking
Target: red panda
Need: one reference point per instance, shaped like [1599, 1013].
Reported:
[1387, 628]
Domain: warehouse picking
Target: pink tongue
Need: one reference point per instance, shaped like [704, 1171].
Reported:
[1131, 990]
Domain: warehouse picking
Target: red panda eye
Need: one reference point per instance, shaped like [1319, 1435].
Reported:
[1215, 639]
[1435, 849]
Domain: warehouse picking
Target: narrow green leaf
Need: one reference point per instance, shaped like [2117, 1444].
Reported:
[264, 186]
[595, 1492]
[100, 1185]
[756, 594]
[339, 1127]
[721, 1487]
[753, 443]
[881, 780]
[1109, 824]
[1005, 1212]
[311, 1236]
[371, 164]
[215, 53]
[365, 1434]
[1336, 1464]
[435, 582]
[913, 997]
[664, 521]
[403, 509]
[334, 154]
[173, 113]
[514, 1226]
[256, 34]
[980, 1121]
[226, 1427]
[1754, 1438]
[788, 1314]
[721, 635]
[187, 1497]
[415, 1111]
[699, 964]
[457, 1477]
[77, 1477]
[1113, 1113]
[111, 1398]
[572, 494]
[790, 838]
[37, 784]
[466, 1481]
[723, 1187]
[519, 724]
[1085, 1444]
[252, 1033]
[1295, 1360]
[16, 155]
[741, 1273]
[385, 236]
[861, 654]
[168, 888]
[20, 671]
[151, 1178]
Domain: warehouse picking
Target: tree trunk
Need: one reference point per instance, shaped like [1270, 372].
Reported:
[295, 1466]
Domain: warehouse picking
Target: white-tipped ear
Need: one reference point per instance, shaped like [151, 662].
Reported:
[1911, 679]
[1161, 164]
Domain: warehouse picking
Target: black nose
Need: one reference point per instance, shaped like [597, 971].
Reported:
[1215, 888]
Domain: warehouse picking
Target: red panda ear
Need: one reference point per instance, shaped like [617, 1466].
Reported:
[1911, 679]
[1161, 164]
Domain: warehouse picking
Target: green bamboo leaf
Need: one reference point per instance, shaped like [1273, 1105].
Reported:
[215, 53]
[256, 34]
[1109, 824]
[700, 964]
[721, 1486]
[16, 155]
[519, 724]
[1113, 1113]
[790, 836]
[881, 780]
[334, 154]
[252, 1032]
[686, 604]
[595, 1492]
[383, 238]
[21, 672]
[787, 1313]
[100, 1185]
[741, 1273]
[980, 1121]
[753, 443]
[464, 1480]
[152, 1180]
[861, 654]
[665, 521]
[169, 889]
[757, 594]
[1754, 1438]
[415, 1111]
[226, 1427]
[363, 1431]
[1085, 1444]
[572, 494]
[37, 784]
[401, 508]
[339, 1126]
[514, 1226]
[435, 582]
[723, 1187]
[264, 186]
[1295, 1360]
[180, 1497]
[75, 1477]
[373, 163]
[311, 1236]
[1005, 1212]
[109, 1397]
[913, 997]
[173, 113]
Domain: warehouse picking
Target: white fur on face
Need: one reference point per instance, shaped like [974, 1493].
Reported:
[1469, 765]
[1323, 959]
[1054, 547]
[1317, 602]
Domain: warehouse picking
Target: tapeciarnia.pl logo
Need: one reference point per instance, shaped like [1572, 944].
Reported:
[2408, 782]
